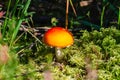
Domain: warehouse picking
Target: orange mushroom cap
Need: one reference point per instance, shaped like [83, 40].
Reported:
[58, 37]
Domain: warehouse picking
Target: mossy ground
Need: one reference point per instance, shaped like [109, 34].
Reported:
[96, 51]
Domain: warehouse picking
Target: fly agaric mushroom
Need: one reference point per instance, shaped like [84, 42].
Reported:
[58, 37]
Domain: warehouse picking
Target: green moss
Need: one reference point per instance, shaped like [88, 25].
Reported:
[93, 51]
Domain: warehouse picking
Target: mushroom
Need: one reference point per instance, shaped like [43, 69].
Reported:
[58, 38]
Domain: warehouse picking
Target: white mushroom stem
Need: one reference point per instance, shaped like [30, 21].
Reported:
[59, 54]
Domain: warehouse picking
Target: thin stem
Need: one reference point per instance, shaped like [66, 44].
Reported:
[119, 19]
[59, 55]
[102, 16]
[6, 20]
[73, 8]
[66, 19]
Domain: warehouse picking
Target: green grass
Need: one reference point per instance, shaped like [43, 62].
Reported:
[13, 22]
[9, 31]
[118, 19]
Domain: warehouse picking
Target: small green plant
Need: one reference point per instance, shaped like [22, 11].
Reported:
[8, 63]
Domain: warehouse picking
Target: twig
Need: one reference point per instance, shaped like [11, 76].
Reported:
[66, 19]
